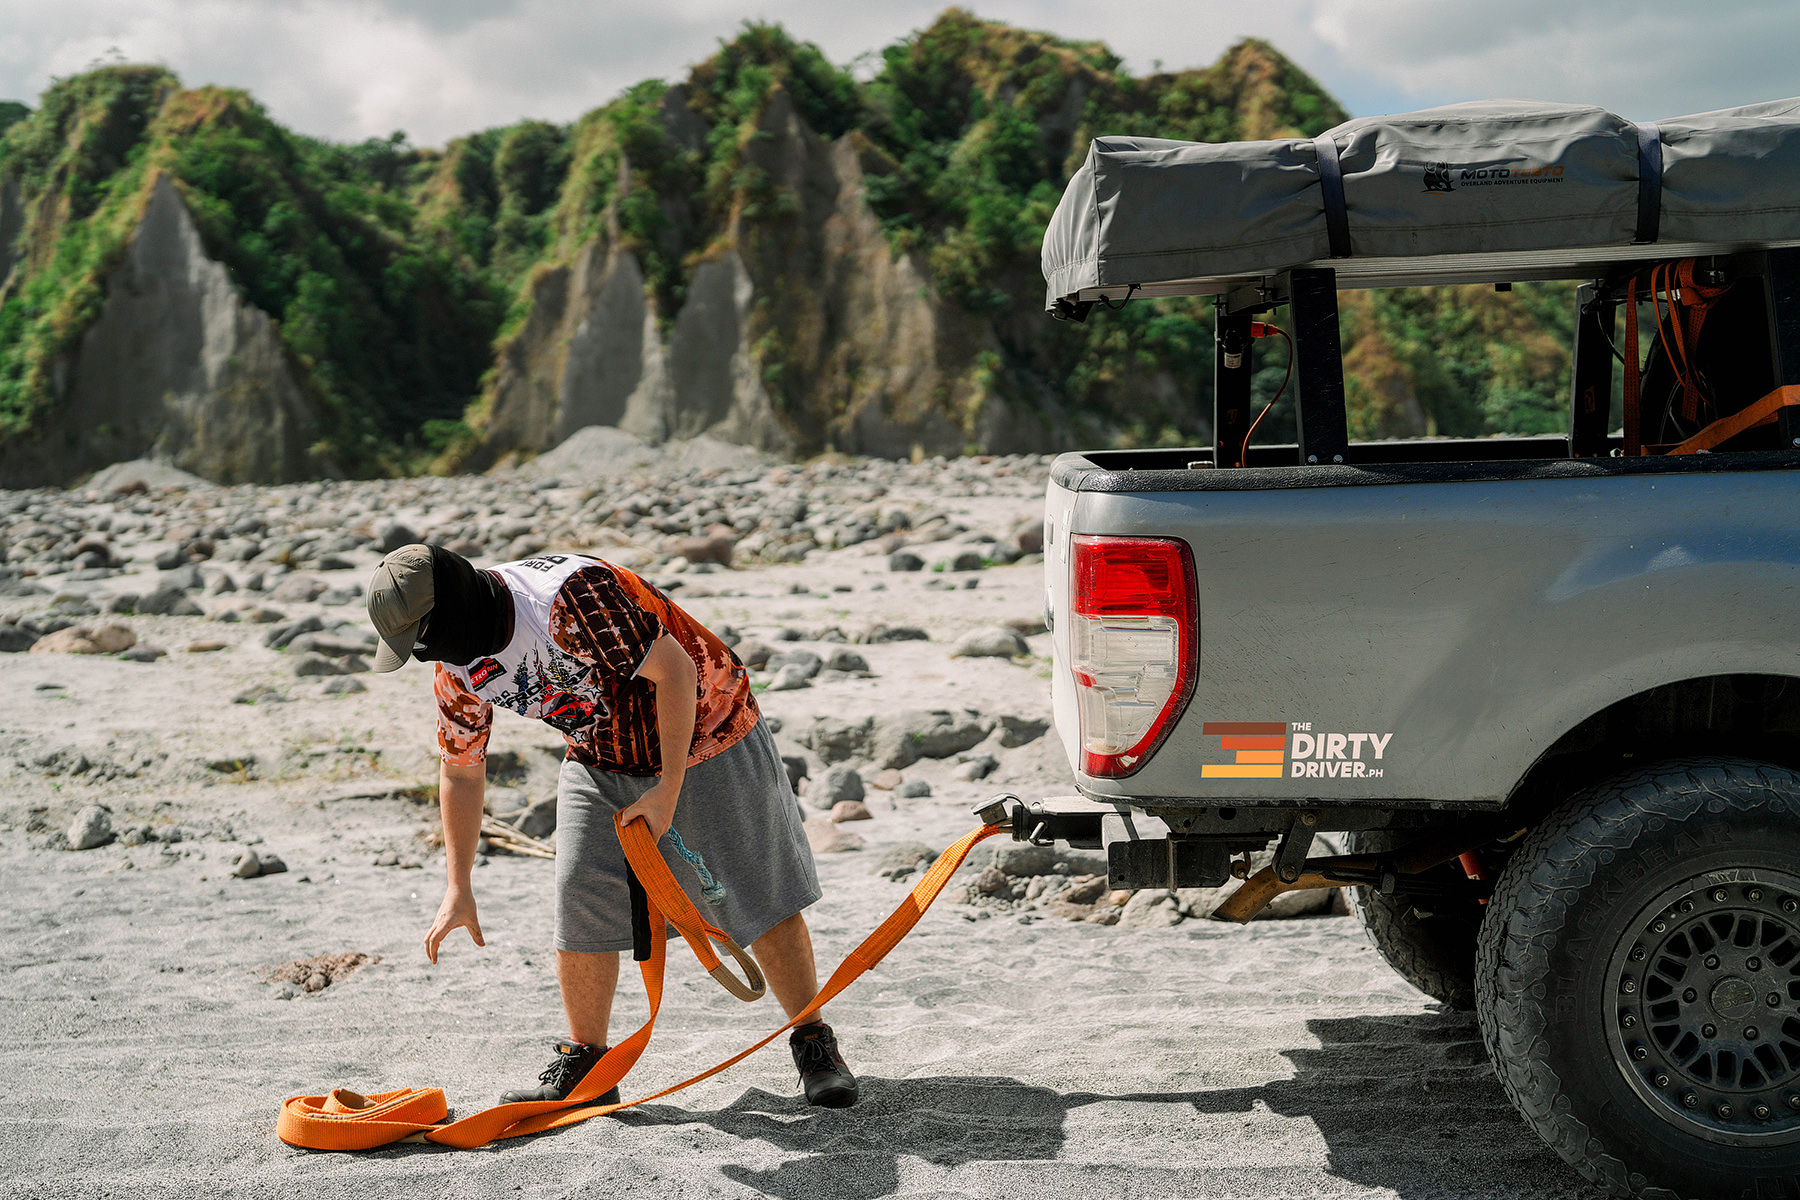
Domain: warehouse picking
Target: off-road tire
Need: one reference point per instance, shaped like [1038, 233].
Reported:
[1641, 914]
[1436, 952]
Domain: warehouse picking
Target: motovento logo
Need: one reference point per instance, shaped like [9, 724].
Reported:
[1293, 749]
[1447, 177]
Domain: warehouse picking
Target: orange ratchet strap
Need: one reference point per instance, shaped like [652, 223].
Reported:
[344, 1120]
[1725, 428]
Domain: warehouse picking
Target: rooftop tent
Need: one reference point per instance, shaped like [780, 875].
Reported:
[1495, 190]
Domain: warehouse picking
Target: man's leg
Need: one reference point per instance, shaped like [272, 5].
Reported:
[588, 982]
[785, 954]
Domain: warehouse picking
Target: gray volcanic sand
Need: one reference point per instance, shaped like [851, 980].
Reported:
[1003, 1053]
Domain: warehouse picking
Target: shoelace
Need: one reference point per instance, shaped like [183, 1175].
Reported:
[818, 1054]
[557, 1074]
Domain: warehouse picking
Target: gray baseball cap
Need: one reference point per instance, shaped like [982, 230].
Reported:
[400, 598]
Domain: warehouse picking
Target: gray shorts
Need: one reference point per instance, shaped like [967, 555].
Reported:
[736, 813]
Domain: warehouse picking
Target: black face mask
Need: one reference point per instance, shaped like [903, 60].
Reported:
[471, 616]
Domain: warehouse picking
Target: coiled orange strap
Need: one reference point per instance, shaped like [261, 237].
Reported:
[345, 1120]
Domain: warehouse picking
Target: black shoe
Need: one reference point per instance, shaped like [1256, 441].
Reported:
[570, 1066]
[829, 1083]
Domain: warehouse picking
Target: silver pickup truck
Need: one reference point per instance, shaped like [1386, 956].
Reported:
[1547, 689]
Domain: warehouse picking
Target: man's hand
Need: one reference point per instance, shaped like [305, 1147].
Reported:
[456, 912]
[656, 807]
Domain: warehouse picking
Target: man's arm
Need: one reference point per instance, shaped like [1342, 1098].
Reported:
[669, 668]
[462, 792]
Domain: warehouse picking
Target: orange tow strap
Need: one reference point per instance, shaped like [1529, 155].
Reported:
[345, 1120]
[1725, 428]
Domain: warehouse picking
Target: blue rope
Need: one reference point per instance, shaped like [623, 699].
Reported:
[711, 888]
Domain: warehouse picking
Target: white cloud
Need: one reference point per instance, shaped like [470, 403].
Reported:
[350, 69]
[1641, 58]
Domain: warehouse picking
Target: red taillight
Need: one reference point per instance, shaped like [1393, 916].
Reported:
[1133, 642]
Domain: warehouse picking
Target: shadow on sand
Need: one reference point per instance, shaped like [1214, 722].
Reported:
[1406, 1103]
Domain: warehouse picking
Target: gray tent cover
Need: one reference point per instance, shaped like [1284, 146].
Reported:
[1492, 177]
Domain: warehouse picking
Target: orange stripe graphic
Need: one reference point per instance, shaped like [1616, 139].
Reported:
[1225, 771]
[1259, 756]
[1255, 743]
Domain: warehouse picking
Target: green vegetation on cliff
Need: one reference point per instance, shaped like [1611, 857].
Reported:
[396, 276]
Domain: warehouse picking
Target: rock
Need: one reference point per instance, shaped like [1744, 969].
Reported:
[249, 866]
[393, 535]
[334, 562]
[1022, 860]
[221, 585]
[169, 559]
[318, 664]
[795, 765]
[850, 810]
[905, 560]
[992, 882]
[260, 693]
[808, 662]
[538, 820]
[92, 827]
[913, 789]
[1103, 916]
[1084, 889]
[895, 633]
[790, 678]
[280, 635]
[1029, 534]
[968, 560]
[1013, 731]
[825, 836]
[905, 737]
[754, 654]
[1029, 626]
[905, 855]
[713, 548]
[343, 685]
[124, 602]
[886, 780]
[144, 654]
[188, 579]
[846, 660]
[298, 589]
[995, 641]
[1309, 903]
[205, 647]
[834, 739]
[337, 597]
[1150, 909]
[17, 639]
[109, 638]
[840, 782]
[331, 646]
[168, 601]
[978, 766]
[272, 864]
[387, 858]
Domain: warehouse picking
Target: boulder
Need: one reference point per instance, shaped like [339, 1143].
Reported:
[715, 547]
[393, 535]
[1012, 731]
[754, 654]
[905, 856]
[808, 662]
[110, 638]
[968, 560]
[995, 641]
[895, 633]
[168, 601]
[905, 560]
[1022, 860]
[1150, 909]
[825, 836]
[913, 789]
[847, 660]
[92, 827]
[838, 783]
[850, 810]
[905, 737]
[790, 678]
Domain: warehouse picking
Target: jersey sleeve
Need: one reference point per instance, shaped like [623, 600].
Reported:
[464, 720]
[597, 618]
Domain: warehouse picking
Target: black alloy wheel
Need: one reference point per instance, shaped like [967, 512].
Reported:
[1637, 981]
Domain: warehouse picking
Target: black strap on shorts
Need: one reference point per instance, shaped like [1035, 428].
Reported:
[640, 917]
[1650, 173]
[1331, 190]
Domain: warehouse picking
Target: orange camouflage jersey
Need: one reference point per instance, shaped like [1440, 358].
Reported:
[581, 631]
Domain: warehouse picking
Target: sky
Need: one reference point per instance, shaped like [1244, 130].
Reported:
[350, 69]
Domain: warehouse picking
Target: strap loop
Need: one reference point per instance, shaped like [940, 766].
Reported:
[1650, 173]
[1331, 192]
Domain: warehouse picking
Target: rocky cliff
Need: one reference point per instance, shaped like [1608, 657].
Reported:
[179, 367]
[771, 252]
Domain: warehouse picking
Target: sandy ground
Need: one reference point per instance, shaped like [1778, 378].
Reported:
[1005, 1055]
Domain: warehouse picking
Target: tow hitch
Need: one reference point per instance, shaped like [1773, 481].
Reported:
[1140, 851]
